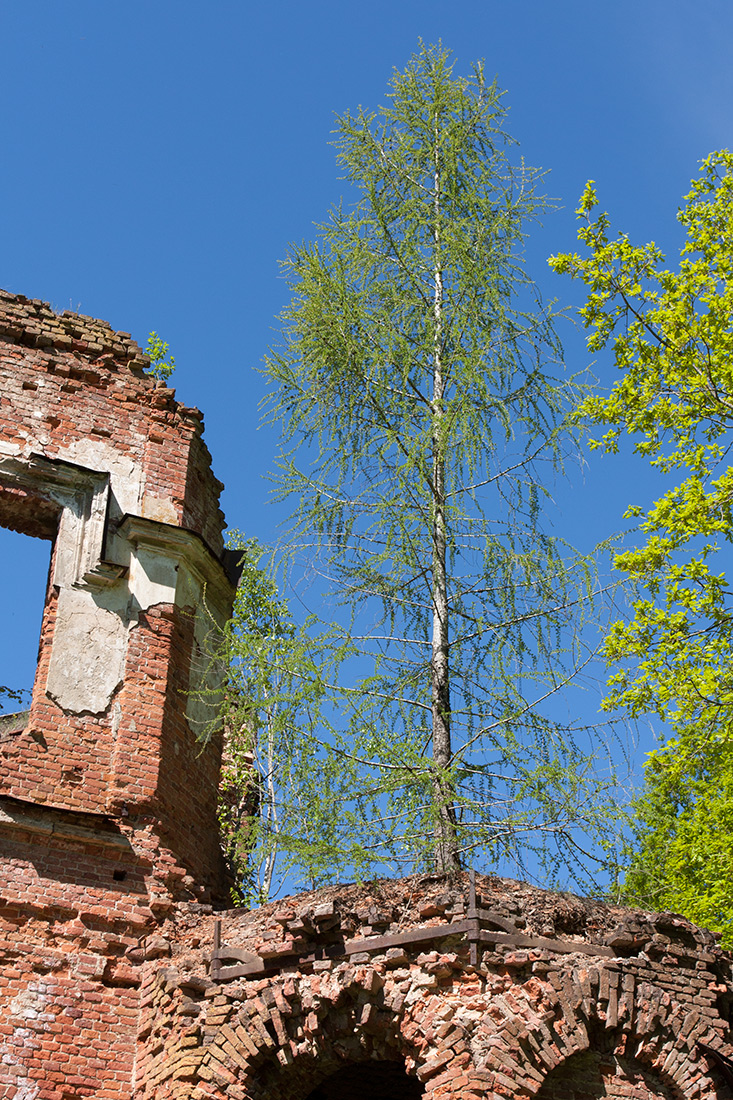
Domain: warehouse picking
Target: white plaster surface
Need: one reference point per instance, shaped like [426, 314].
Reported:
[125, 474]
[190, 589]
[158, 508]
[68, 546]
[153, 578]
[88, 652]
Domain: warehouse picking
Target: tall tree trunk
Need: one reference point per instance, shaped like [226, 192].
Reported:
[446, 840]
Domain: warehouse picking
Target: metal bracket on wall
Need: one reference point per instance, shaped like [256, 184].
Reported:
[478, 927]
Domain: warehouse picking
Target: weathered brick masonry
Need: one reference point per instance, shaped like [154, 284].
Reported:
[418, 988]
[123, 974]
[107, 816]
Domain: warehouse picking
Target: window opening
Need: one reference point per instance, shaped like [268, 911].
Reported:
[24, 565]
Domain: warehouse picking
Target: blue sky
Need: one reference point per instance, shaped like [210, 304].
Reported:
[158, 157]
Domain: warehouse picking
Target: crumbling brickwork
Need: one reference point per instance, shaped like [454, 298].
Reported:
[124, 976]
[514, 992]
[108, 794]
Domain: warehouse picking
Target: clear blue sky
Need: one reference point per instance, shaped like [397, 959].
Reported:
[158, 157]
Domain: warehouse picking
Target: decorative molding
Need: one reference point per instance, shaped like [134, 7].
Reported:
[82, 498]
[181, 544]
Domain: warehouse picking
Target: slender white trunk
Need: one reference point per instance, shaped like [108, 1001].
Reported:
[271, 810]
[446, 841]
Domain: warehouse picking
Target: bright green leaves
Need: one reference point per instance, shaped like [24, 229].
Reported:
[684, 835]
[672, 333]
[672, 338]
[282, 788]
[673, 341]
[161, 365]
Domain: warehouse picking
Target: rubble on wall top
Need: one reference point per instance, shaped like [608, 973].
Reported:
[33, 323]
[338, 921]
[421, 898]
[13, 723]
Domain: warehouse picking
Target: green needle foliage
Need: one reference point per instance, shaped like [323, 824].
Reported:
[419, 391]
[672, 337]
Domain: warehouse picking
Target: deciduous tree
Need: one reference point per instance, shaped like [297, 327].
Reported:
[671, 332]
[10, 696]
[280, 804]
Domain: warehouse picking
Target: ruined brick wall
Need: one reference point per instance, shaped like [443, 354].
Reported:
[417, 989]
[73, 385]
[107, 794]
[74, 398]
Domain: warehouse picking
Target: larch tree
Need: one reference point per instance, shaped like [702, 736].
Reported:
[671, 332]
[424, 412]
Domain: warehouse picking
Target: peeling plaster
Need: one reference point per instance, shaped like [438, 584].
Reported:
[28, 1004]
[160, 509]
[125, 473]
[153, 578]
[88, 653]
[190, 592]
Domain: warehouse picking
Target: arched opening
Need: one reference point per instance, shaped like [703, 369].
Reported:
[369, 1081]
[603, 1076]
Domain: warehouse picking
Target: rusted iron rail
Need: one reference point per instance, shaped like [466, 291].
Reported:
[228, 963]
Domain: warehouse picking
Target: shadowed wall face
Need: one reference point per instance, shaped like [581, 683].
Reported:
[593, 1076]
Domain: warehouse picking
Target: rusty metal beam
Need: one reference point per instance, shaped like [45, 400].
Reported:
[469, 929]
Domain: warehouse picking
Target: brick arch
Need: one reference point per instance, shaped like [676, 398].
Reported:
[286, 1037]
[300, 1032]
[598, 1075]
[540, 1037]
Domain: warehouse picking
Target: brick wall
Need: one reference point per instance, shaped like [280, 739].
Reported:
[589, 1074]
[373, 992]
[71, 384]
[107, 795]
